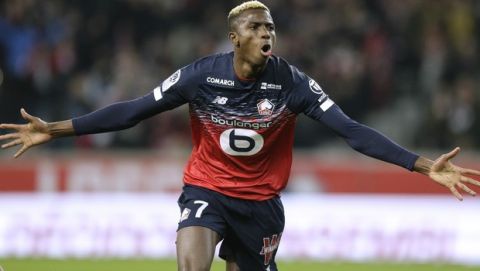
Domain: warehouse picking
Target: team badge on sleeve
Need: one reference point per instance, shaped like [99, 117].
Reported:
[325, 102]
[170, 81]
[315, 87]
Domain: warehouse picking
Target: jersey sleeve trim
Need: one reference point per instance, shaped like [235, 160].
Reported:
[326, 104]
[157, 93]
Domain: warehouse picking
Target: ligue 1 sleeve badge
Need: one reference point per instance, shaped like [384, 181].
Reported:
[265, 107]
[315, 87]
[172, 80]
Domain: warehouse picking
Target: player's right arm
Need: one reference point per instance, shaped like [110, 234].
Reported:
[114, 117]
[35, 132]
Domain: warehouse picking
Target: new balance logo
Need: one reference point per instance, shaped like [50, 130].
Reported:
[220, 100]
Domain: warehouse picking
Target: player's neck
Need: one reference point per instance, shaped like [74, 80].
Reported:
[246, 70]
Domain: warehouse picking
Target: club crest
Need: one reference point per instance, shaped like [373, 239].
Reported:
[265, 107]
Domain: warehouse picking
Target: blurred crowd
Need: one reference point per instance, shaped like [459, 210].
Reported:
[410, 68]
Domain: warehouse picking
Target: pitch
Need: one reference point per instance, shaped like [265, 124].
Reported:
[166, 265]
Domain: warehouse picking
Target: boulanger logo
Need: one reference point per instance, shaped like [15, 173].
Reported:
[240, 124]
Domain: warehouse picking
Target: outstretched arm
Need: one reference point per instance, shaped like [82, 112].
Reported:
[366, 140]
[35, 132]
[118, 116]
[372, 143]
[114, 117]
[447, 174]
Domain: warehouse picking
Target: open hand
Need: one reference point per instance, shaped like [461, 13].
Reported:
[452, 176]
[33, 133]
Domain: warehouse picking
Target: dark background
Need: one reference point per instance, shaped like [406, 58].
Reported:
[408, 68]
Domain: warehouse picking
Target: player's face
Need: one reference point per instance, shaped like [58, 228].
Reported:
[254, 36]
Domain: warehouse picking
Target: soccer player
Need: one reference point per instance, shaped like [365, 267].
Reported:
[243, 107]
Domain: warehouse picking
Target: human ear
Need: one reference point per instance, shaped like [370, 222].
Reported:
[234, 39]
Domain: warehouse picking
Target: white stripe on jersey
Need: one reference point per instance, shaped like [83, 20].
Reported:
[326, 104]
[157, 92]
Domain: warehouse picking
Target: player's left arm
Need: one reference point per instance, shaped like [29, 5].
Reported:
[448, 174]
[372, 143]
[309, 98]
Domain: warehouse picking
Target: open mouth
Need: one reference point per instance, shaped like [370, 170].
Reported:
[266, 50]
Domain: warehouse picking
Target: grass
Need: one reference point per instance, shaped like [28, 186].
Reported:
[166, 265]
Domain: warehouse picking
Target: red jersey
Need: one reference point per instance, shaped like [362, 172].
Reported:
[242, 130]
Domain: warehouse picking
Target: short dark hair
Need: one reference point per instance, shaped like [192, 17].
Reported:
[236, 11]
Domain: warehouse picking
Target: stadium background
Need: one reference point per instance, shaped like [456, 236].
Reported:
[408, 68]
